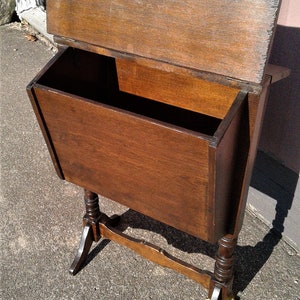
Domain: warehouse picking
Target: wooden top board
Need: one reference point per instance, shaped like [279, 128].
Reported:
[230, 38]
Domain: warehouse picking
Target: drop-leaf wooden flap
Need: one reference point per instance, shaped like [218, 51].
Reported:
[230, 38]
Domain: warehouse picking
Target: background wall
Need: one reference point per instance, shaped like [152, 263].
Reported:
[281, 130]
[275, 188]
[23, 5]
[290, 13]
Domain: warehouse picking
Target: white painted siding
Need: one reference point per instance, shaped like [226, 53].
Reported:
[23, 5]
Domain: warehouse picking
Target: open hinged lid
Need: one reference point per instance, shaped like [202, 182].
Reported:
[229, 39]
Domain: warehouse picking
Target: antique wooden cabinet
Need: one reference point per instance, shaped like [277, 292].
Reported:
[158, 105]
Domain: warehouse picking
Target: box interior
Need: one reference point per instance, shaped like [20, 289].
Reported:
[94, 77]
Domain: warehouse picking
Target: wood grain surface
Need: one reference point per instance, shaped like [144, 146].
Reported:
[182, 90]
[159, 171]
[229, 37]
[172, 164]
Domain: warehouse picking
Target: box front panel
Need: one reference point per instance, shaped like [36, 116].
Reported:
[156, 170]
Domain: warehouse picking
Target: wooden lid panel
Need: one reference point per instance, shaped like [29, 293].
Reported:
[229, 37]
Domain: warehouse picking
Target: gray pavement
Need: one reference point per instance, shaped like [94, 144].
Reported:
[41, 219]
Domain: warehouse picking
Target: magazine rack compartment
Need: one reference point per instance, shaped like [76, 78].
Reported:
[158, 105]
[163, 161]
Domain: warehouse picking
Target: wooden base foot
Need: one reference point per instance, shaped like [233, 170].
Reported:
[219, 294]
[216, 293]
[87, 239]
[91, 230]
[98, 225]
[83, 250]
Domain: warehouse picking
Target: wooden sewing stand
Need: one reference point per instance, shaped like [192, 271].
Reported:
[158, 105]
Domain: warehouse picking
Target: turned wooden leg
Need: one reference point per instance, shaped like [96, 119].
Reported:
[91, 232]
[91, 229]
[221, 287]
[93, 213]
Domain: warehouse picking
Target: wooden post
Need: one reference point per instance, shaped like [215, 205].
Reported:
[223, 273]
[92, 216]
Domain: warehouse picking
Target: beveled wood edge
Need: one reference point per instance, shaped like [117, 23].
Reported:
[261, 99]
[183, 130]
[240, 98]
[47, 66]
[211, 205]
[36, 108]
[161, 65]
[156, 255]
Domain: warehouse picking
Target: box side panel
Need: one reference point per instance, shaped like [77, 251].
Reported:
[256, 108]
[230, 157]
[148, 167]
[229, 38]
[44, 129]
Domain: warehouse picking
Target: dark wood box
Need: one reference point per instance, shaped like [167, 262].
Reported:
[169, 163]
[159, 110]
